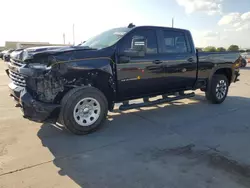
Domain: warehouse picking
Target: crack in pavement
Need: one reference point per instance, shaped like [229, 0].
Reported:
[59, 158]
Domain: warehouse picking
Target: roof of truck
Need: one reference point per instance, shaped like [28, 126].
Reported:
[161, 27]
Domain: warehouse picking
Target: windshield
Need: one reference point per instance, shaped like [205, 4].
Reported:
[106, 39]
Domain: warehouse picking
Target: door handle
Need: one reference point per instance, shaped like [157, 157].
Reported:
[190, 60]
[157, 62]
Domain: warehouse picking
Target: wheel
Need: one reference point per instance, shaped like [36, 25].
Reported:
[64, 100]
[218, 90]
[83, 110]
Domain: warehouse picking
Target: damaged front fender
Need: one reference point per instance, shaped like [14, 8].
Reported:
[51, 74]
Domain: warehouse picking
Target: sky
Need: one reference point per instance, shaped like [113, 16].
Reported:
[217, 23]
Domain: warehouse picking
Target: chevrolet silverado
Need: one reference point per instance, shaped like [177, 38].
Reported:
[78, 85]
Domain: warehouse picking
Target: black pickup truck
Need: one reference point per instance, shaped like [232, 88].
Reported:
[77, 85]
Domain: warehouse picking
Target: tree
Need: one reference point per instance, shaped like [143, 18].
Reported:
[220, 49]
[210, 49]
[233, 48]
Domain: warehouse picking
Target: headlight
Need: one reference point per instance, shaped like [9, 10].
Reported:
[38, 66]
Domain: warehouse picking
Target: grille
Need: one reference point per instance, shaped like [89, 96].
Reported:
[18, 64]
[17, 78]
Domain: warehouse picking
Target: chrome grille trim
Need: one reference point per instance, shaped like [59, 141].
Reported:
[17, 78]
[16, 63]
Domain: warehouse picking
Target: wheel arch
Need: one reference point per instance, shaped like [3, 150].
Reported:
[100, 80]
[227, 71]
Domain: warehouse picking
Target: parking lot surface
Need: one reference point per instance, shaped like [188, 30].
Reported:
[187, 143]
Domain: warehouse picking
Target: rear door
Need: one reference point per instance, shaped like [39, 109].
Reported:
[179, 57]
[140, 76]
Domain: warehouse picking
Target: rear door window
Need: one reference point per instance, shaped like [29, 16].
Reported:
[174, 42]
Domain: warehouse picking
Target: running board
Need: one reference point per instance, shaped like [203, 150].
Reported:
[152, 103]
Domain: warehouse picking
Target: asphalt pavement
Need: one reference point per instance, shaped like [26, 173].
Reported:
[187, 143]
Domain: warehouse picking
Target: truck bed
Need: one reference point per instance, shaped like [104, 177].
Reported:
[218, 57]
[208, 60]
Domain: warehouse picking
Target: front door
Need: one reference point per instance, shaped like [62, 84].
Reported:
[140, 76]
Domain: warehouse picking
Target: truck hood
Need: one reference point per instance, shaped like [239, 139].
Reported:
[31, 54]
[65, 54]
[20, 55]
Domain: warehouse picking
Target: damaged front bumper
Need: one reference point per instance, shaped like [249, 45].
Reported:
[32, 109]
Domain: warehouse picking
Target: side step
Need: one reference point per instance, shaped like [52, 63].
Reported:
[152, 103]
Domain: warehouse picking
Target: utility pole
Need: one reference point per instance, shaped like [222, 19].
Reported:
[63, 38]
[73, 34]
[172, 22]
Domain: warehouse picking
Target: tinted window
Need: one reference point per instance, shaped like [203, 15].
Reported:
[174, 42]
[150, 37]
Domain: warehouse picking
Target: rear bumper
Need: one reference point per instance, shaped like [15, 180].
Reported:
[32, 109]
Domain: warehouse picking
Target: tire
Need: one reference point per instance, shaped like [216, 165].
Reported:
[217, 92]
[73, 115]
[64, 100]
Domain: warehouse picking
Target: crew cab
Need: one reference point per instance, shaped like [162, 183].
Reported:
[78, 85]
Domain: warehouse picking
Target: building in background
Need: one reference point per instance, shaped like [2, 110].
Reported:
[19, 44]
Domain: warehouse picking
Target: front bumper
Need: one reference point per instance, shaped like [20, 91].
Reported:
[32, 109]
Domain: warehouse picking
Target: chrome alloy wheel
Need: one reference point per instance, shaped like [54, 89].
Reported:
[221, 89]
[87, 111]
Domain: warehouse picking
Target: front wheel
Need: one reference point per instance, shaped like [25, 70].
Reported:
[218, 89]
[84, 110]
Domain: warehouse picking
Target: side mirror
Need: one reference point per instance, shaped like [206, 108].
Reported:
[138, 47]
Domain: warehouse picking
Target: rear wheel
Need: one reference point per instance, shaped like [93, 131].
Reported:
[218, 90]
[84, 110]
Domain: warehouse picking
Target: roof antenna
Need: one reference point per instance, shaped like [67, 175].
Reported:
[131, 25]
